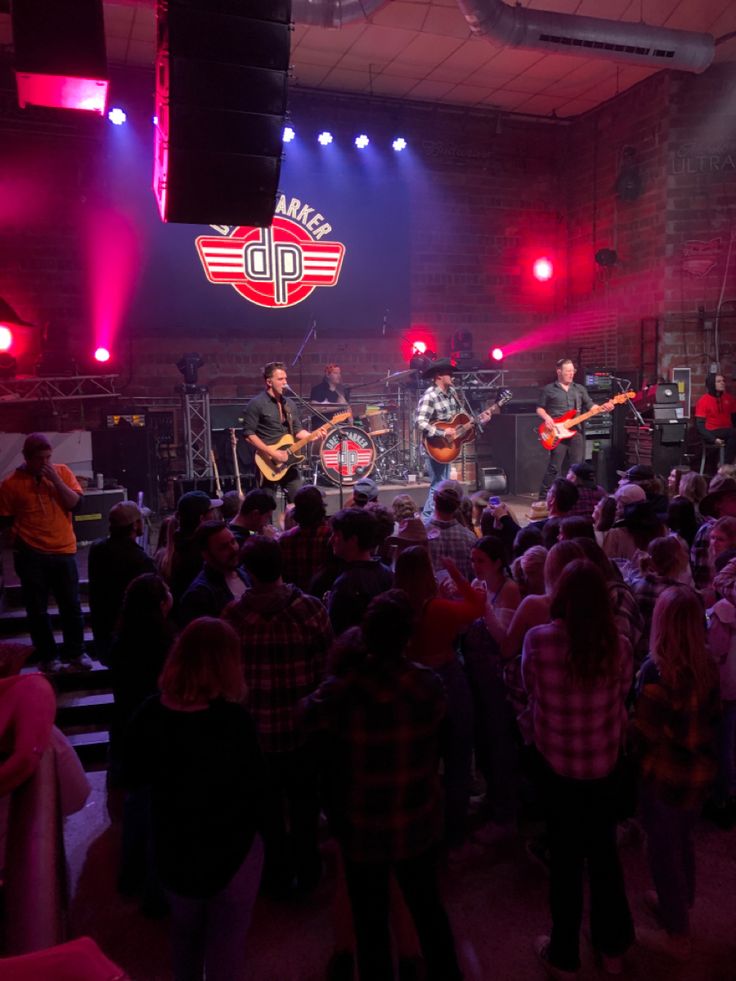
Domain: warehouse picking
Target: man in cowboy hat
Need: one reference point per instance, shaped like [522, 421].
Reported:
[439, 403]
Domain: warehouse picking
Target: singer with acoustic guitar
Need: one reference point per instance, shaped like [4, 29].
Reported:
[439, 404]
[270, 421]
[558, 398]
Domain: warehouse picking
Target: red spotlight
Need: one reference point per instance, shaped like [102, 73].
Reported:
[543, 270]
[6, 338]
[102, 354]
[497, 354]
[419, 348]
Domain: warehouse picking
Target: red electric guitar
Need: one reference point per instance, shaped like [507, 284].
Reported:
[564, 425]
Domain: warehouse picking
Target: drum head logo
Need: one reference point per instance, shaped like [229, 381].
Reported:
[278, 266]
[347, 453]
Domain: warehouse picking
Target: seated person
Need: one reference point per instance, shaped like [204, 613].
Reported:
[254, 517]
[714, 416]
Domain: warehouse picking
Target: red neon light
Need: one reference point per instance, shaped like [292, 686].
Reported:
[6, 338]
[61, 92]
[419, 347]
[542, 270]
[497, 354]
[102, 354]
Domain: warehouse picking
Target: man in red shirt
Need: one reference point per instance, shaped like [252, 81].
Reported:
[714, 414]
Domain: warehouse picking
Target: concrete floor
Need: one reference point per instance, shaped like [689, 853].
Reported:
[497, 905]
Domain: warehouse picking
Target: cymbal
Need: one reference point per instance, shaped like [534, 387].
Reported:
[397, 376]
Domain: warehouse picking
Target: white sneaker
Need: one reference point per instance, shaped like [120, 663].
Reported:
[82, 663]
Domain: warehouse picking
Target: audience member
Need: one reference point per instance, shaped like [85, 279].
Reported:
[562, 497]
[365, 490]
[305, 548]
[479, 501]
[363, 577]
[582, 475]
[720, 501]
[284, 638]
[384, 530]
[674, 725]
[113, 563]
[387, 804]
[221, 579]
[626, 612]
[410, 531]
[576, 527]
[714, 416]
[451, 539]
[531, 566]
[403, 507]
[661, 568]
[604, 515]
[721, 619]
[192, 509]
[693, 486]
[525, 539]
[231, 501]
[27, 711]
[37, 499]
[164, 554]
[254, 516]
[673, 480]
[577, 673]
[682, 521]
[196, 748]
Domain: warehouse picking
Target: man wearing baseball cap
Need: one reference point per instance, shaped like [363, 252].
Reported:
[364, 491]
[192, 509]
[114, 562]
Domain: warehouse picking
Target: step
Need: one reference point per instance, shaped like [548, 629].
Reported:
[98, 679]
[13, 621]
[84, 708]
[13, 598]
[91, 748]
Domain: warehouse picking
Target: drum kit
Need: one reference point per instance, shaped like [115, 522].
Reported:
[379, 441]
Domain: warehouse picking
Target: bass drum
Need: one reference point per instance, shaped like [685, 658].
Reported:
[348, 453]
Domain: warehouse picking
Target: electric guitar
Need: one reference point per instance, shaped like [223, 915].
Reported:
[564, 425]
[444, 449]
[275, 471]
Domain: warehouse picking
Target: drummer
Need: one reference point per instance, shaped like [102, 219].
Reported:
[330, 390]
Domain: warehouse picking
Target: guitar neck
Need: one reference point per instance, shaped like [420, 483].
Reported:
[578, 419]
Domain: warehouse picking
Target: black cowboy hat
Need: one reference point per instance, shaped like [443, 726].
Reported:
[443, 366]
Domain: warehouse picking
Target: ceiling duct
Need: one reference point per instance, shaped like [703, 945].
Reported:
[334, 13]
[590, 37]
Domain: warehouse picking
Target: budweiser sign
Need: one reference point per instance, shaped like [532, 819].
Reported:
[278, 266]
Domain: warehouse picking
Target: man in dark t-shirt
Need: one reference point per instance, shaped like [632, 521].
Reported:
[267, 418]
[330, 389]
[556, 399]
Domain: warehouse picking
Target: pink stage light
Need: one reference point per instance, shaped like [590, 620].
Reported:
[542, 270]
[497, 354]
[102, 354]
[61, 92]
[113, 259]
[419, 347]
[6, 338]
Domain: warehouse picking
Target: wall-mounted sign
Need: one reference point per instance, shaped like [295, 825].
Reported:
[278, 266]
[700, 258]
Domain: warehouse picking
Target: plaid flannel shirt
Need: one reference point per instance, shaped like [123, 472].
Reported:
[436, 406]
[304, 551]
[284, 637]
[647, 591]
[588, 497]
[454, 541]
[383, 723]
[676, 737]
[699, 554]
[578, 729]
[626, 612]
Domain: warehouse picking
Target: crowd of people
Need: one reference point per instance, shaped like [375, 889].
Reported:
[433, 687]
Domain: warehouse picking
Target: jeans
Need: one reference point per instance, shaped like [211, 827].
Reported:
[561, 458]
[729, 438]
[581, 824]
[437, 472]
[457, 751]
[671, 857]
[369, 898]
[209, 935]
[41, 573]
[726, 779]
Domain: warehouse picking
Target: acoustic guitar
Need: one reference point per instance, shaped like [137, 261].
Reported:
[275, 471]
[444, 449]
[565, 425]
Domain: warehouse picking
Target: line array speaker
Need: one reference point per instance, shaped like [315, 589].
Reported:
[221, 87]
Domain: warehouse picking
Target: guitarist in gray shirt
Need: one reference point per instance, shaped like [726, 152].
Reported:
[268, 418]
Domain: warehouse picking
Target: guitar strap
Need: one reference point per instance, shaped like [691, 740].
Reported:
[289, 415]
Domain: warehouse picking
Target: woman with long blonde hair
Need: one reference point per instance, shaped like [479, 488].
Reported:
[674, 726]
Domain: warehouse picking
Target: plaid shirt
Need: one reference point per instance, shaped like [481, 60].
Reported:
[383, 721]
[588, 497]
[699, 554]
[436, 406]
[676, 737]
[284, 637]
[578, 729]
[304, 551]
[647, 591]
[454, 541]
[626, 612]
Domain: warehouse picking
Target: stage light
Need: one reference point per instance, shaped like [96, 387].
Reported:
[189, 365]
[325, 138]
[102, 354]
[6, 338]
[399, 144]
[496, 354]
[155, 120]
[542, 270]
[419, 348]
[289, 134]
[117, 116]
[362, 141]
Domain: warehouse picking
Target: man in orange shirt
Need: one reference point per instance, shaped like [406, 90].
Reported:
[38, 499]
[714, 414]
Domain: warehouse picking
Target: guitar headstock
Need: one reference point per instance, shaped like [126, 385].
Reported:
[623, 397]
[340, 417]
[504, 397]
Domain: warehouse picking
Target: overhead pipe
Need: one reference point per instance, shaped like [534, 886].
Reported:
[334, 13]
[589, 37]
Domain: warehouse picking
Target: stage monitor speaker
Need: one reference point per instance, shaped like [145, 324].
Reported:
[511, 443]
[128, 455]
[221, 88]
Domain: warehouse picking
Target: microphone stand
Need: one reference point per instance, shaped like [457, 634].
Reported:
[641, 422]
[312, 330]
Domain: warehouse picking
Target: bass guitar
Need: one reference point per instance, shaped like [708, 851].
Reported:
[275, 471]
[565, 425]
[445, 449]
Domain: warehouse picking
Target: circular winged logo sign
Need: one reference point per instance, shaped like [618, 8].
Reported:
[274, 267]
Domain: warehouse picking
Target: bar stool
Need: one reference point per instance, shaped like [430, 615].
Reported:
[710, 446]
